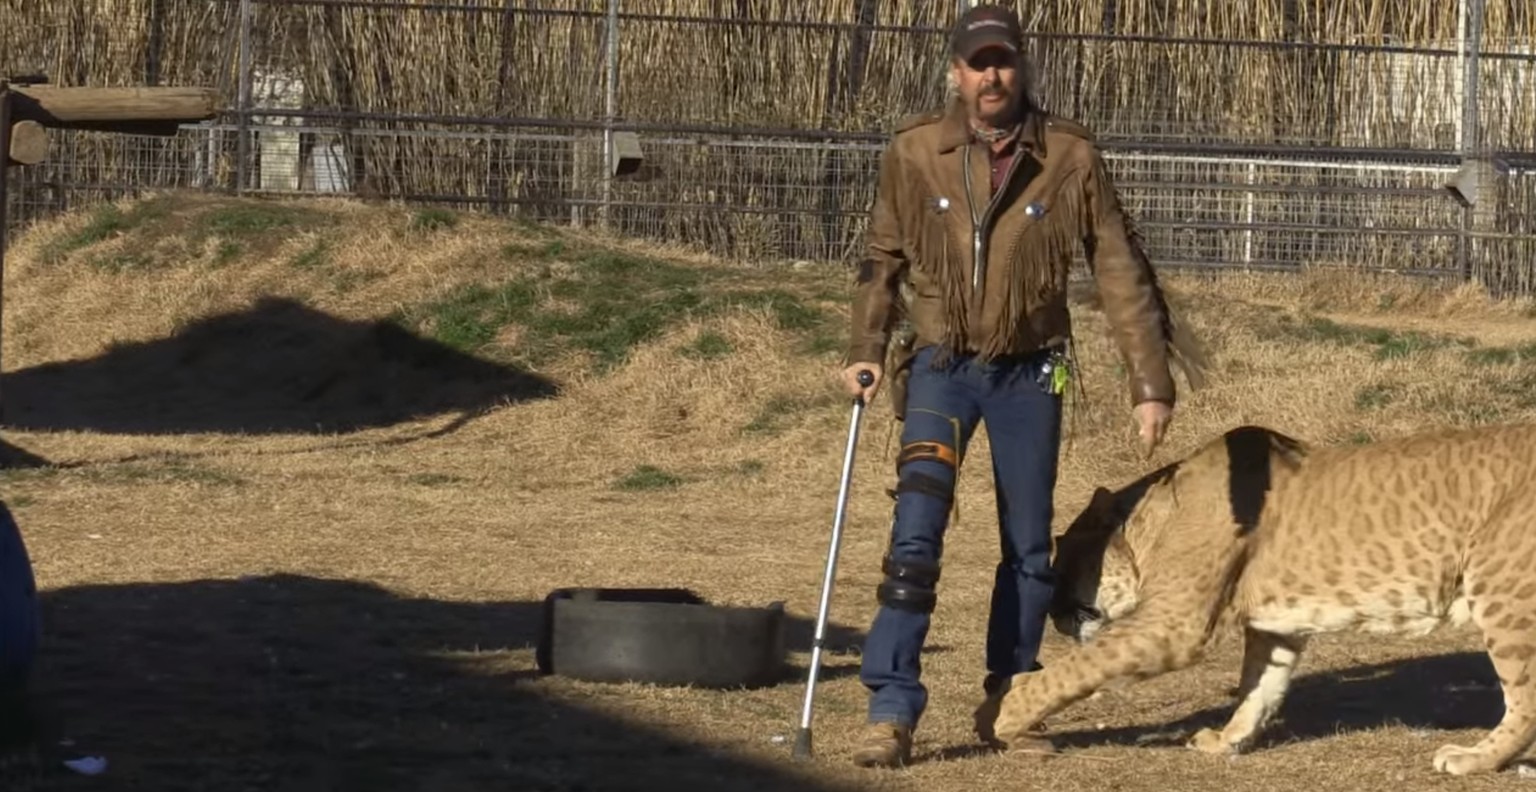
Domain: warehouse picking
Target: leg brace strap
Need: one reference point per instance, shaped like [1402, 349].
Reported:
[909, 585]
[906, 597]
[920, 573]
[926, 449]
[912, 481]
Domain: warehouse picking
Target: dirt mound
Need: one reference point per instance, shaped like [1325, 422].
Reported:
[187, 313]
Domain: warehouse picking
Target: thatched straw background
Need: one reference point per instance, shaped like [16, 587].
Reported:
[1304, 73]
[498, 58]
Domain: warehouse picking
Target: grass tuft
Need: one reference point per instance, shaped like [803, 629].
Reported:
[709, 345]
[1388, 344]
[434, 219]
[648, 477]
[1503, 355]
[1374, 397]
[601, 303]
[249, 219]
[103, 222]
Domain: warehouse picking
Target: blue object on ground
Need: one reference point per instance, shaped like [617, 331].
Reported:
[19, 619]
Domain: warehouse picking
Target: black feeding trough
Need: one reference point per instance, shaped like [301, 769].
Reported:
[663, 636]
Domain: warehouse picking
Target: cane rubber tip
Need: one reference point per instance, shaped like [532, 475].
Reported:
[866, 378]
[802, 748]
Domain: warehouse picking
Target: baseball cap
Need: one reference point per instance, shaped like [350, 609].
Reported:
[986, 26]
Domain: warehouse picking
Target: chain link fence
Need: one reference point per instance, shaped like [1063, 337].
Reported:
[753, 129]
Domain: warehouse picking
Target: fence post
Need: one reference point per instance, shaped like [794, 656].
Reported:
[610, 110]
[1461, 71]
[5, 176]
[1253, 172]
[243, 103]
[1469, 138]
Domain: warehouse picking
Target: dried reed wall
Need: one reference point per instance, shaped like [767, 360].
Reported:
[503, 58]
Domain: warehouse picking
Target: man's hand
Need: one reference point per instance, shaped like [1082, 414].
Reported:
[851, 380]
[1153, 416]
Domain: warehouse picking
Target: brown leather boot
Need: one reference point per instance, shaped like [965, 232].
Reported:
[884, 745]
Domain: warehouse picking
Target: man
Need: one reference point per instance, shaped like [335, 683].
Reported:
[976, 213]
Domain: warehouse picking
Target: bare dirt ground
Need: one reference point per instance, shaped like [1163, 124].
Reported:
[283, 547]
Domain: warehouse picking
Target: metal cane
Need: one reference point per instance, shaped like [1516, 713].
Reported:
[803, 738]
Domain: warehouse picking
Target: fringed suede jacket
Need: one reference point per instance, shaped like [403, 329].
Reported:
[986, 273]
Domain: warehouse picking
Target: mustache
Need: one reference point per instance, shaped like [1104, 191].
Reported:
[992, 90]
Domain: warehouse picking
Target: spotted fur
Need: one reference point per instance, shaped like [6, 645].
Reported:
[1282, 540]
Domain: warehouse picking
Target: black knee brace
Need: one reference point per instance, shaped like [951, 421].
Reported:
[912, 481]
[908, 480]
[909, 585]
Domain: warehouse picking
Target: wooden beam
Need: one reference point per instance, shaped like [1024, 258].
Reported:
[129, 110]
[6, 105]
[29, 143]
[27, 111]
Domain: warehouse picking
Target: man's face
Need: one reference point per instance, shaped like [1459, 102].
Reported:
[988, 83]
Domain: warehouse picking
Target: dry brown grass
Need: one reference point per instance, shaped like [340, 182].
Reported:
[234, 609]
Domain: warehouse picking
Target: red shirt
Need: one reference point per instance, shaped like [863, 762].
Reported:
[1001, 161]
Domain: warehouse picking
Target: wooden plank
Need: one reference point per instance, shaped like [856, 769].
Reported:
[134, 110]
[29, 143]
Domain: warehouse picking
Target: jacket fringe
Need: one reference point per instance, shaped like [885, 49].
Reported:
[1039, 274]
[937, 249]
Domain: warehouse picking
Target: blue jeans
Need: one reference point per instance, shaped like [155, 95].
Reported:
[944, 405]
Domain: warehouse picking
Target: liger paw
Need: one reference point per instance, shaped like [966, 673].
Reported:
[1210, 741]
[1458, 760]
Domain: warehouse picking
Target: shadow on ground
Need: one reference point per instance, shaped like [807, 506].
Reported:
[302, 684]
[1436, 692]
[17, 458]
[279, 367]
